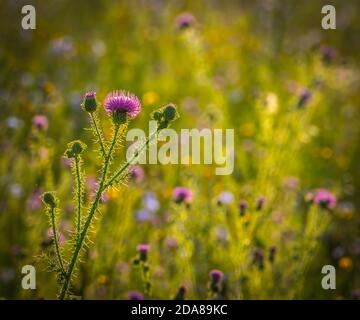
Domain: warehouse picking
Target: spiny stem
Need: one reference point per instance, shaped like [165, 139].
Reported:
[56, 243]
[92, 211]
[99, 136]
[78, 193]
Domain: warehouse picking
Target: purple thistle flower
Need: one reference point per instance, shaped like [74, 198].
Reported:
[260, 203]
[324, 199]
[151, 202]
[291, 183]
[144, 215]
[304, 98]
[34, 202]
[122, 102]
[216, 275]
[143, 250]
[356, 294]
[184, 20]
[180, 294]
[137, 173]
[182, 194]
[40, 122]
[258, 258]
[328, 54]
[272, 253]
[243, 206]
[90, 94]
[225, 197]
[60, 236]
[104, 198]
[172, 242]
[134, 295]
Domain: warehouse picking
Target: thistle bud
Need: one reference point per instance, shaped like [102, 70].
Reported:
[157, 115]
[170, 112]
[49, 199]
[165, 115]
[75, 148]
[89, 103]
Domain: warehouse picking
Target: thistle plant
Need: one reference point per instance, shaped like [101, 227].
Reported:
[121, 107]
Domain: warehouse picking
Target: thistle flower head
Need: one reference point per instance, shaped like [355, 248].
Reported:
[225, 197]
[258, 258]
[75, 148]
[134, 295]
[184, 21]
[40, 122]
[260, 203]
[89, 103]
[304, 98]
[49, 199]
[243, 206]
[180, 294]
[122, 105]
[216, 275]
[137, 173]
[324, 199]
[59, 235]
[328, 54]
[182, 194]
[143, 250]
[272, 253]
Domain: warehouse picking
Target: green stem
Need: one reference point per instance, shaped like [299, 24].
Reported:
[56, 243]
[99, 136]
[78, 193]
[92, 211]
[128, 163]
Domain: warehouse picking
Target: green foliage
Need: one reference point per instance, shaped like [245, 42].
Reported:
[242, 66]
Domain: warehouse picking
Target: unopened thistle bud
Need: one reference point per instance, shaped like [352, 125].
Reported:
[49, 199]
[75, 148]
[170, 112]
[156, 115]
[165, 115]
[89, 103]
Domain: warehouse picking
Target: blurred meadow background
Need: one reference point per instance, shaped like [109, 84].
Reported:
[288, 88]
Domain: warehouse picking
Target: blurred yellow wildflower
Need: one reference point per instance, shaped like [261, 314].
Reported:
[346, 263]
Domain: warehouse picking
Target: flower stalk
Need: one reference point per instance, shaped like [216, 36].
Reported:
[121, 107]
